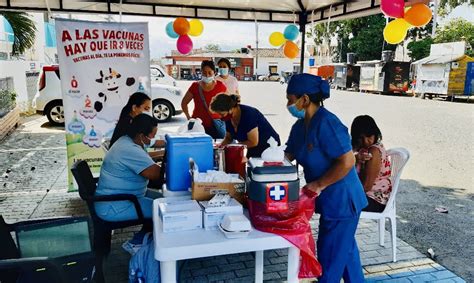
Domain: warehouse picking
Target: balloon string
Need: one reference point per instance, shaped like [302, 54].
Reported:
[329, 18]
[294, 17]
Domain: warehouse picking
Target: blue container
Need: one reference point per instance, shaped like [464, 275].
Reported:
[179, 148]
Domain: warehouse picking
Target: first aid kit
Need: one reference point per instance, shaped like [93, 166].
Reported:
[274, 185]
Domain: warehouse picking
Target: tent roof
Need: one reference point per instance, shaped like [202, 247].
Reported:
[285, 11]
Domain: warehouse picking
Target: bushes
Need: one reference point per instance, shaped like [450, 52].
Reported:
[7, 101]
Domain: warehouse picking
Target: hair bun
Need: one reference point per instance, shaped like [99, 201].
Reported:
[235, 98]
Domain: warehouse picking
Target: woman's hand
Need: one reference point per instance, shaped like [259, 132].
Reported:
[188, 97]
[363, 156]
[315, 187]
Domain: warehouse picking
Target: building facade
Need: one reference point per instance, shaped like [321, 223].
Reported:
[188, 67]
[272, 60]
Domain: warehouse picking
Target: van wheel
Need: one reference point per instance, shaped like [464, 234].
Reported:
[55, 113]
[162, 110]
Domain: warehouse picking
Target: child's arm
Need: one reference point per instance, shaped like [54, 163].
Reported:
[371, 169]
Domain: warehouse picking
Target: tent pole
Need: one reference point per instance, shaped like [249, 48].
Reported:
[303, 19]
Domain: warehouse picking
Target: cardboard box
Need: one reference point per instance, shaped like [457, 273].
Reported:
[180, 215]
[205, 191]
[212, 216]
[202, 191]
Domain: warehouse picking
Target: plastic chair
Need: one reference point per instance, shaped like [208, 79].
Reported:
[26, 262]
[102, 229]
[398, 159]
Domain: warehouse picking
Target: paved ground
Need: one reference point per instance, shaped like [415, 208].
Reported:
[35, 187]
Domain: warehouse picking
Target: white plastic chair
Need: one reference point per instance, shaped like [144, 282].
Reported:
[398, 159]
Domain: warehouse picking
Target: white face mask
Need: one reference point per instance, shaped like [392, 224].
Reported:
[207, 80]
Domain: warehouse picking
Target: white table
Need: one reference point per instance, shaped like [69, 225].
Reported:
[171, 247]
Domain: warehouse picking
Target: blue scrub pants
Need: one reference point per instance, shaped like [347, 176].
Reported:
[125, 210]
[338, 252]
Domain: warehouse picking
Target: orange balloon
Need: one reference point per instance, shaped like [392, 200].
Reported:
[291, 50]
[181, 26]
[418, 15]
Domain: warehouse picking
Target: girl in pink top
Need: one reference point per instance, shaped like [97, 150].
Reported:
[372, 163]
[224, 76]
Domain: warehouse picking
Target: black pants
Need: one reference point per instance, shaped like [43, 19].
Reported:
[374, 206]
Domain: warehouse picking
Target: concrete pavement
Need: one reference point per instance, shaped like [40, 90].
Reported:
[35, 187]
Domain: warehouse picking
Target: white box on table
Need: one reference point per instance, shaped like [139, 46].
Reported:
[212, 216]
[180, 215]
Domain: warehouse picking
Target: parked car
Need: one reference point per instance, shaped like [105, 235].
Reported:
[166, 98]
[158, 75]
[270, 77]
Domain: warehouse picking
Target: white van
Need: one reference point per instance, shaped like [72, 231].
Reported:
[159, 76]
[166, 97]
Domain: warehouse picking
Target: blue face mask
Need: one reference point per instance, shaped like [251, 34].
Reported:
[207, 80]
[147, 146]
[223, 71]
[295, 112]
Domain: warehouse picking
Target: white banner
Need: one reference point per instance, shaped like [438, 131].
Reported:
[101, 64]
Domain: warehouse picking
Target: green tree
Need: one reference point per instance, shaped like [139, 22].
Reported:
[453, 3]
[363, 36]
[420, 49]
[24, 30]
[212, 47]
[368, 41]
[457, 30]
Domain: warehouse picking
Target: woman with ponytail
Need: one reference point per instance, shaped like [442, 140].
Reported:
[137, 103]
[247, 125]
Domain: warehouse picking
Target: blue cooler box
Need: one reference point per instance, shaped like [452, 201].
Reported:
[181, 147]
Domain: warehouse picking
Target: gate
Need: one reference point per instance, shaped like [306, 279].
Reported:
[469, 84]
[31, 89]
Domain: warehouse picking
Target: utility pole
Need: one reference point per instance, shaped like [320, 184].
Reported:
[435, 18]
[256, 48]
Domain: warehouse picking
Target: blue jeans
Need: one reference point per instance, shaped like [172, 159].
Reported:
[125, 210]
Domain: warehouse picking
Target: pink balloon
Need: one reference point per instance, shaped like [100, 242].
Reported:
[184, 44]
[393, 8]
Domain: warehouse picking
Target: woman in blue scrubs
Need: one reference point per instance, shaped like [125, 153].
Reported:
[245, 124]
[322, 145]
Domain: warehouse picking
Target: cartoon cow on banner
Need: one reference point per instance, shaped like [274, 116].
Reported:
[115, 94]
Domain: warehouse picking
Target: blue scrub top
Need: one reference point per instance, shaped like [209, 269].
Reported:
[250, 118]
[316, 148]
[120, 173]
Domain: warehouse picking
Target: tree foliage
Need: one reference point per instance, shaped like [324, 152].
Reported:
[24, 30]
[212, 47]
[453, 3]
[420, 49]
[363, 36]
[457, 30]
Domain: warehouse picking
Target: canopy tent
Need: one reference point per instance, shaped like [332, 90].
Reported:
[299, 12]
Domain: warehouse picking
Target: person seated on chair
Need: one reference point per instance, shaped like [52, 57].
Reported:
[372, 163]
[126, 169]
[138, 103]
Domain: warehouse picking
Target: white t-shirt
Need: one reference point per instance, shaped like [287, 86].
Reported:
[231, 84]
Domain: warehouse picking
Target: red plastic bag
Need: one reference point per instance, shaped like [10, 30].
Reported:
[294, 226]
